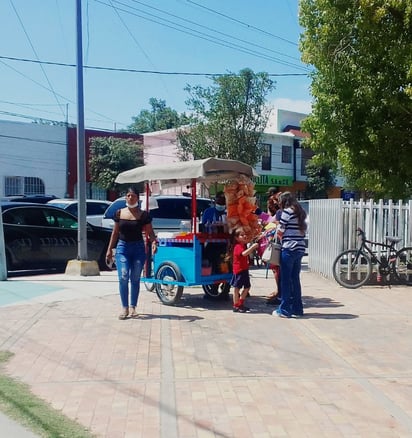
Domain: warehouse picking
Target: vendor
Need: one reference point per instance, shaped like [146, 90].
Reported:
[217, 212]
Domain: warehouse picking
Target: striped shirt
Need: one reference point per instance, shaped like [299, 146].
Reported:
[293, 239]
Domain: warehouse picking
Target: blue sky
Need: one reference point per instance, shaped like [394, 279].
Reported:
[169, 36]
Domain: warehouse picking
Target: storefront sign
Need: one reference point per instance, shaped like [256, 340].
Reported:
[266, 181]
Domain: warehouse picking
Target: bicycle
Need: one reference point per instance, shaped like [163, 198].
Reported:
[353, 267]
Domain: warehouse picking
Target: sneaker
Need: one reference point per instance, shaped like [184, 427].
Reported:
[297, 315]
[241, 309]
[277, 312]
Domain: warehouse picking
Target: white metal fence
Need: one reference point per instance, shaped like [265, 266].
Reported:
[333, 224]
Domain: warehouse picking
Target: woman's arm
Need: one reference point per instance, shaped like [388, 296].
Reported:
[113, 241]
[152, 236]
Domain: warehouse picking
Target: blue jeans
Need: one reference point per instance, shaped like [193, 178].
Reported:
[130, 260]
[290, 266]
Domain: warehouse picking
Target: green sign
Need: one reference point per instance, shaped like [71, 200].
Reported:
[266, 181]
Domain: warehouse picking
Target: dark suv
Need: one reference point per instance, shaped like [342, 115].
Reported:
[167, 211]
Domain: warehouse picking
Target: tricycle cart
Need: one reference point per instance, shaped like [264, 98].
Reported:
[184, 259]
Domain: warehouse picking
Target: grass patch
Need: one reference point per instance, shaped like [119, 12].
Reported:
[17, 402]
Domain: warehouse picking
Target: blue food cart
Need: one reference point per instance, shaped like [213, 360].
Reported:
[194, 256]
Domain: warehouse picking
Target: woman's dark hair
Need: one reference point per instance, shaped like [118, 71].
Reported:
[287, 200]
[231, 244]
[133, 189]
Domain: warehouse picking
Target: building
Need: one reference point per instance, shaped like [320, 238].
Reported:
[283, 163]
[42, 159]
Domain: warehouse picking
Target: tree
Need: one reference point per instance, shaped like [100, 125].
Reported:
[109, 156]
[160, 117]
[320, 179]
[362, 89]
[229, 118]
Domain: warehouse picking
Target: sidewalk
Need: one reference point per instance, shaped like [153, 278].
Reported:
[200, 370]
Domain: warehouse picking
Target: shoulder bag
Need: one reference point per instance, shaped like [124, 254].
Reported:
[271, 254]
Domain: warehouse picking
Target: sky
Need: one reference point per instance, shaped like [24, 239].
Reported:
[135, 50]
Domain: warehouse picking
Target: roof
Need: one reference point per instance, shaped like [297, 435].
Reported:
[296, 131]
[206, 170]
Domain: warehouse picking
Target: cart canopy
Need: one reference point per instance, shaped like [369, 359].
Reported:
[206, 170]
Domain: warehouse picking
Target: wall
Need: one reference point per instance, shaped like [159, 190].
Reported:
[34, 150]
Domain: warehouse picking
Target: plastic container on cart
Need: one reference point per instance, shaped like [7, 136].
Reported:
[185, 226]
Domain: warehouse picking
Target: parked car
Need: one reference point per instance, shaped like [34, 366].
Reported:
[95, 208]
[42, 236]
[38, 199]
[167, 211]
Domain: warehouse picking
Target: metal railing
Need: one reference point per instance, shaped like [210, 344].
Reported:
[333, 224]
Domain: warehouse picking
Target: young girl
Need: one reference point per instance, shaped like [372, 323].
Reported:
[240, 266]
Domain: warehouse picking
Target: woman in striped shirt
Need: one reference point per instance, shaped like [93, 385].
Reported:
[292, 228]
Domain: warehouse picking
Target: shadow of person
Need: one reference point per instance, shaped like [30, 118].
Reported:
[316, 315]
[188, 318]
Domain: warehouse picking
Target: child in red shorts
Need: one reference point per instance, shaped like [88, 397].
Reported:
[240, 267]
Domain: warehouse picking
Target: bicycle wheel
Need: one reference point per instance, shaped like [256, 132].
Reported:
[403, 266]
[217, 291]
[352, 268]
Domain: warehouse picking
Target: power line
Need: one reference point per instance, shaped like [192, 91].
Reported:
[42, 86]
[35, 53]
[204, 36]
[132, 70]
[213, 11]
[208, 28]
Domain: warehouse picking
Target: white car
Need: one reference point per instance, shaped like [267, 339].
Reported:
[167, 211]
[95, 208]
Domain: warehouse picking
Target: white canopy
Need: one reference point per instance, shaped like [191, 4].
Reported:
[207, 170]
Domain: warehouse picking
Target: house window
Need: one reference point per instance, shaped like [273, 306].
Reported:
[33, 186]
[23, 185]
[266, 156]
[286, 154]
[307, 154]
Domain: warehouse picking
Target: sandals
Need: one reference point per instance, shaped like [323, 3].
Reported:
[133, 313]
[124, 314]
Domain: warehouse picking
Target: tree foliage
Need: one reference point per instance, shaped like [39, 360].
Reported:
[362, 89]
[320, 179]
[229, 118]
[158, 118]
[109, 156]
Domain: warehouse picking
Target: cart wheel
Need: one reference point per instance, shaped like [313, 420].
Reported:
[217, 291]
[168, 294]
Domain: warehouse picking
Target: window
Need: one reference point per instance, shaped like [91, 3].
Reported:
[266, 156]
[286, 154]
[307, 154]
[33, 186]
[23, 185]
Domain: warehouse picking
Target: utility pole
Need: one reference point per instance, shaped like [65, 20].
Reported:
[81, 266]
[81, 154]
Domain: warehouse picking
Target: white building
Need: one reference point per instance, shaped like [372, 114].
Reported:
[33, 159]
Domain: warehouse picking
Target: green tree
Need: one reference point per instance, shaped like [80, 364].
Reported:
[320, 179]
[158, 118]
[109, 156]
[362, 89]
[229, 118]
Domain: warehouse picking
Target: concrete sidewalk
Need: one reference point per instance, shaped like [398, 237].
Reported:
[200, 370]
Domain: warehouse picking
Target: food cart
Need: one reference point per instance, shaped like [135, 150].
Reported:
[183, 259]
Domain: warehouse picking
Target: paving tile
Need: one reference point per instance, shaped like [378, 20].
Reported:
[199, 370]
